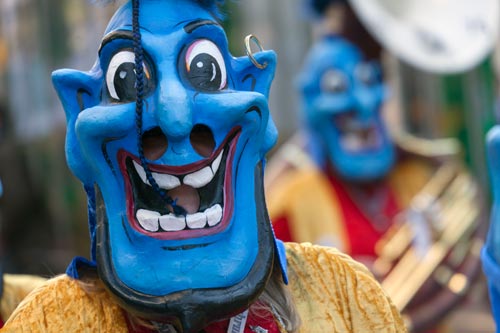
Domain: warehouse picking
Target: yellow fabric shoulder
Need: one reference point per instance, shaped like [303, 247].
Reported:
[15, 289]
[311, 206]
[62, 305]
[333, 293]
[306, 198]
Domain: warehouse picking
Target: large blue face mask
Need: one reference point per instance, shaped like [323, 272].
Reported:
[342, 96]
[206, 129]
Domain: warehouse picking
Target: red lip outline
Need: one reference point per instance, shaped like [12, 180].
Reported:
[231, 140]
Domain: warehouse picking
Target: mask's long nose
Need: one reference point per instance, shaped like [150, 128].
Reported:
[139, 57]
[174, 110]
[367, 105]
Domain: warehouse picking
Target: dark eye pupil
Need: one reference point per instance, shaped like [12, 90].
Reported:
[124, 82]
[205, 73]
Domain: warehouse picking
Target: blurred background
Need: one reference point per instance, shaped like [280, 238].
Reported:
[43, 220]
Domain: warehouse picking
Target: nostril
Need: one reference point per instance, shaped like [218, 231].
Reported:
[154, 143]
[202, 140]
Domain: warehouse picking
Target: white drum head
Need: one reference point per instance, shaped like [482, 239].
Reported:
[443, 36]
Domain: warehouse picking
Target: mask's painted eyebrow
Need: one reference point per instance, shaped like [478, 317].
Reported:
[117, 34]
[193, 25]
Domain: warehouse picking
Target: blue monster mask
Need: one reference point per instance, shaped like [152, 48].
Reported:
[193, 244]
[342, 98]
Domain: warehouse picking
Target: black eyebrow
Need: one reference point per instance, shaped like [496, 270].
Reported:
[193, 25]
[118, 34]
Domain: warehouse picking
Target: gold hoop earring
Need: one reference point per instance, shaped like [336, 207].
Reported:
[249, 52]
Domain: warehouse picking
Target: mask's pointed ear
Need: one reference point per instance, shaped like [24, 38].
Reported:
[77, 92]
[251, 78]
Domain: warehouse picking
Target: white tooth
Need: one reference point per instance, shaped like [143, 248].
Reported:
[199, 178]
[352, 142]
[141, 172]
[196, 221]
[148, 219]
[214, 215]
[166, 181]
[216, 163]
[171, 222]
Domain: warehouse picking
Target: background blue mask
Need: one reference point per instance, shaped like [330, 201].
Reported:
[342, 98]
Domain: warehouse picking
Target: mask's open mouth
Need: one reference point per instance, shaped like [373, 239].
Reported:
[356, 137]
[203, 189]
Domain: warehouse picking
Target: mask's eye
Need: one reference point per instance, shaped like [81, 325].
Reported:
[334, 81]
[369, 74]
[121, 78]
[205, 66]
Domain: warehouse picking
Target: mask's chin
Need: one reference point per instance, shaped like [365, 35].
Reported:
[190, 310]
[362, 167]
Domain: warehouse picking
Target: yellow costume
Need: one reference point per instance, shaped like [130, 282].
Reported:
[332, 292]
[435, 195]
[310, 204]
[15, 289]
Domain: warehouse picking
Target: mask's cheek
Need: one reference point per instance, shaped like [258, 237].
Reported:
[101, 130]
[223, 111]
[258, 132]
[105, 122]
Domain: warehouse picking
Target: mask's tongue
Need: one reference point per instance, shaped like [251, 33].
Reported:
[186, 197]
